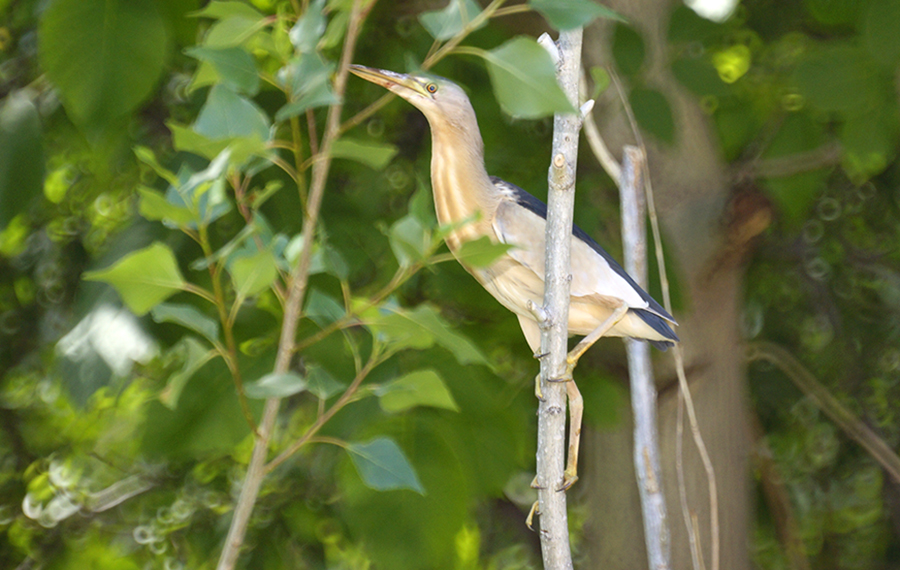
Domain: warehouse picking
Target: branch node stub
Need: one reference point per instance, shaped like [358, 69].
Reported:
[559, 161]
[548, 44]
[586, 108]
[540, 313]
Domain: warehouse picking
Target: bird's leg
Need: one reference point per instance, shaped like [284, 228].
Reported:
[594, 336]
[535, 510]
[576, 411]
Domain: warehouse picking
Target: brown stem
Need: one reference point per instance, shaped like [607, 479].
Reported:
[256, 469]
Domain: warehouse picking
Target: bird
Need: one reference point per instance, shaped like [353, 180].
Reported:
[603, 297]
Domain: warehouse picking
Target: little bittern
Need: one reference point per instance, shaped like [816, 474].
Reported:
[602, 296]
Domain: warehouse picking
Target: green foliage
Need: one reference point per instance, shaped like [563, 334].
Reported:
[275, 386]
[446, 23]
[105, 57]
[568, 14]
[432, 406]
[524, 79]
[420, 388]
[21, 156]
[382, 465]
[144, 278]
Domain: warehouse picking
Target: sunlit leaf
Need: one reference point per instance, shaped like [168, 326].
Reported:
[308, 30]
[193, 355]
[275, 386]
[409, 240]
[253, 274]
[104, 56]
[376, 155]
[481, 252]
[524, 79]
[232, 31]
[382, 465]
[227, 115]
[400, 328]
[419, 388]
[222, 10]
[446, 23]
[144, 278]
[21, 155]
[187, 140]
[154, 207]
[568, 14]
[188, 317]
[235, 66]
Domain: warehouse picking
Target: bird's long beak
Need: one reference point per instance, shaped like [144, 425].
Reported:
[399, 83]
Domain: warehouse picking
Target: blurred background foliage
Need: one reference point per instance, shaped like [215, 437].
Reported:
[123, 444]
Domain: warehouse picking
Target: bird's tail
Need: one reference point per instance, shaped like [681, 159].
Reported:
[661, 326]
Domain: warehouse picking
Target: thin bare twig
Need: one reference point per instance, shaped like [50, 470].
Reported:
[643, 389]
[300, 275]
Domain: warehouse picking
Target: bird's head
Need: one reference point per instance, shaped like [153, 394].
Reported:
[442, 101]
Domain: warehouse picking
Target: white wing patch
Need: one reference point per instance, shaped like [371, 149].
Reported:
[591, 274]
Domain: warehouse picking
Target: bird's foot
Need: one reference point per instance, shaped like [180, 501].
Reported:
[535, 510]
[535, 485]
[540, 355]
[569, 478]
[538, 393]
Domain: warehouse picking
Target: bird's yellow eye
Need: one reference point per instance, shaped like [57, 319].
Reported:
[431, 88]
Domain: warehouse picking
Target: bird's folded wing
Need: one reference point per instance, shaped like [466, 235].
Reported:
[592, 274]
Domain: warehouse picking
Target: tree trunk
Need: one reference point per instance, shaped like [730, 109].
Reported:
[692, 191]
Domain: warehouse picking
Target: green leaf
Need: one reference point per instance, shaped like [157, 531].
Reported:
[409, 240]
[880, 25]
[308, 30]
[144, 278]
[481, 252]
[321, 383]
[227, 115]
[382, 466]
[446, 23]
[154, 207]
[232, 31]
[104, 56]
[193, 355]
[147, 156]
[420, 328]
[628, 50]
[309, 79]
[322, 309]
[568, 14]
[187, 140]
[275, 386]
[253, 274]
[838, 78]
[234, 65]
[419, 388]
[21, 156]
[524, 80]
[222, 10]
[188, 317]
[653, 114]
[373, 154]
[869, 142]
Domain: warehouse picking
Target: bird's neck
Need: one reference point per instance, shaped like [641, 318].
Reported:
[461, 185]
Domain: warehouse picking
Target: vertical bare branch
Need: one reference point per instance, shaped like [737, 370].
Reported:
[643, 390]
[554, 330]
[299, 278]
